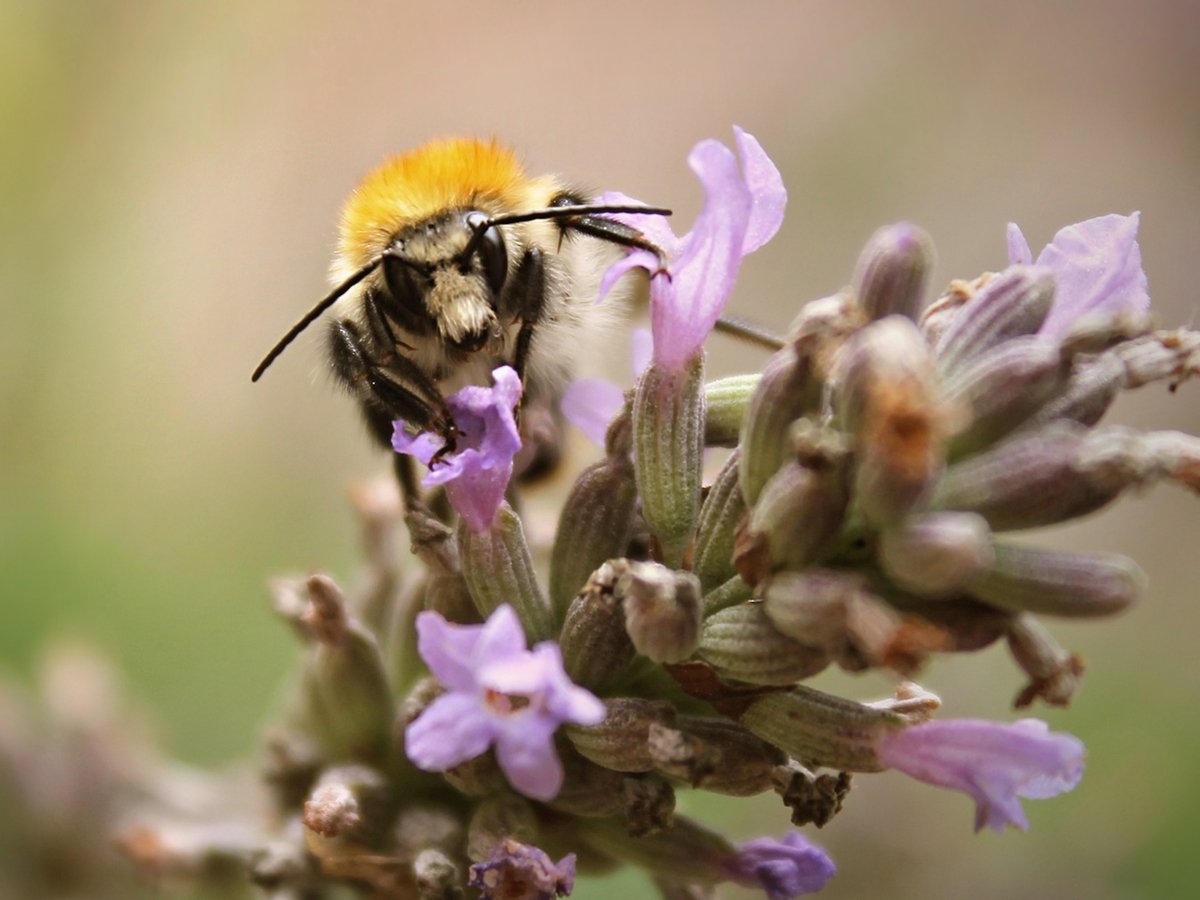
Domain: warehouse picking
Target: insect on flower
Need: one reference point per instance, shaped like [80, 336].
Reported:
[452, 261]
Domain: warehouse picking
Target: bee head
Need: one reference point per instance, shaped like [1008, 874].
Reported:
[445, 276]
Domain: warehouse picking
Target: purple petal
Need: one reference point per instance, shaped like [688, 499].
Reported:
[590, 404]
[478, 493]
[1097, 267]
[525, 751]
[684, 309]
[641, 351]
[769, 197]
[423, 446]
[636, 259]
[994, 762]
[454, 653]
[782, 869]
[452, 729]
[517, 870]
[564, 700]
[656, 229]
[1019, 253]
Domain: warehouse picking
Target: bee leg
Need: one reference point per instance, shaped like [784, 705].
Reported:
[539, 419]
[383, 337]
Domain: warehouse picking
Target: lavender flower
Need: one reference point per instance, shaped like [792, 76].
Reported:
[476, 474]
[994, 762]
[590, 404]
[783, 869]
[517, 871]
[1097, 267]
[500, 693]
[742, 211]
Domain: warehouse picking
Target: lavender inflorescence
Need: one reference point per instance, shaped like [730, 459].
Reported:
[457, 726]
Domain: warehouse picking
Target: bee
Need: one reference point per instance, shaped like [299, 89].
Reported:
[452, 261]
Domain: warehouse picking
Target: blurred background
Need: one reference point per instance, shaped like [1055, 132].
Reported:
[172, 174]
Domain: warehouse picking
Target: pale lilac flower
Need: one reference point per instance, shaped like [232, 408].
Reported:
[476, 474]
[497, 693]
[783, 869]
[742, 211]
[590, 404]
[994, 762]
[517, 871]
[1097, 268]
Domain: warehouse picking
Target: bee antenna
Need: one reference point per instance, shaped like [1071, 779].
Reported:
[313, 314]
[554, 212]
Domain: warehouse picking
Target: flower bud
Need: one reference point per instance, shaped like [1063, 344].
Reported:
[792, 384]
[668, 432]
[726, 401]
[436, 876]
[499, 569]
[937, 554]
[720, 514]
[498, 818]
[834, 611]
[688, 852]
[595, 525]
[1053, 673]
[1028, 579]
[1007, 305]
[797, 515]
[715, 754]
[1001, 389]
[348, 802]
[346, 677]
[731, 593]
[595, 644]
[741, 643]
[938, 315]
[822, 729]
[662, 610]
[886, 395]
[1062, 471]
[621, 741]
[893, 271]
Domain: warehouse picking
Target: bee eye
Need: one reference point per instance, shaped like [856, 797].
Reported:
[492, 254]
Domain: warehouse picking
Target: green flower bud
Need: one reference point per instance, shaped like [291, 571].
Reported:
[726, 401]
[595, 525]
[662, 610]
[346, 677]
[496, 819]
[1053, 673]
[499, 569]
[668, 432]
[1006, 306]
[714, 754]
[937, 554]
[893, 271]
[621, 741]
[720, 515]
[742, 643]
[1028, 579]
[595, 644]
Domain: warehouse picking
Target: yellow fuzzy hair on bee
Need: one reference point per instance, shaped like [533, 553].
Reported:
[463, 173]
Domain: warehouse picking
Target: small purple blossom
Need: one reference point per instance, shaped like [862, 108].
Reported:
[783, 869]
[1097, 268]
[742, 211]
[517, 871]
[498, 693]
[590, 404]
[994, 762]
[476, 474]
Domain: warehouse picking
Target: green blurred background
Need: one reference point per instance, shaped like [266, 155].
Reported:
[171, 178]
